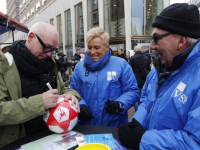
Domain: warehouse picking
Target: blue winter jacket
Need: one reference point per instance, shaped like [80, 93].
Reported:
[172, 117]
[115, 81]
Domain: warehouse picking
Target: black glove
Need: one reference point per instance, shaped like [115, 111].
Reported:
[85, 113]
[130, 134]
[112, 107]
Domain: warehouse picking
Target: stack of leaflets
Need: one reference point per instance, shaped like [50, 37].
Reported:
[106, 138]
[70, 139]
[54, 142]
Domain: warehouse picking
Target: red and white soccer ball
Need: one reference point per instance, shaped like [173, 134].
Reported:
[61, 118]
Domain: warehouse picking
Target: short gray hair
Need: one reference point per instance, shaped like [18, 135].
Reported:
[137, 48]
[79, 50]
[191, 40]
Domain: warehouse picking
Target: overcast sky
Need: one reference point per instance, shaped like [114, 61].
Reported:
[3, 4]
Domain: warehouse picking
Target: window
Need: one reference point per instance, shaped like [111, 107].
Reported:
[20, 6]
[21, 21]
[114, 19]
[143, 15]
[93, 14]
[32, 10]
[28, 14]
[59, 28]
[23, 2]
[43, 1]
[79, 26]
[24, 18]
[52, 22]
[37, 5]
[68, 29]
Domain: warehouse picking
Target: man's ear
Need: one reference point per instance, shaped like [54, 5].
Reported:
[31, 36]
[182, 42]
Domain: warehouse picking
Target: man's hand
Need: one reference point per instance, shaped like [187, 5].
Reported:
[50, 98]
[85, 113]
[112, 107]
[74, 100]
[130, 134]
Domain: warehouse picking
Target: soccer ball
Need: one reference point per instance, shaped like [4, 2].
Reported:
[61, 118]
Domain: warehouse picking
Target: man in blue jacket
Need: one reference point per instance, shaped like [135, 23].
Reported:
[169, 117]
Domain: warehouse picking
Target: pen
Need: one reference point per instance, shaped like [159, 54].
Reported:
[49, 86]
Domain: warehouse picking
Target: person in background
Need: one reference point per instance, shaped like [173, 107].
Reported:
[24, 95]
[169, 117]
[82, 57]
[121, 54]
[62, 63]
[128, 56]
[4, 48]
[77, 55]
[106, 83]
[138, 62]
[146, 53]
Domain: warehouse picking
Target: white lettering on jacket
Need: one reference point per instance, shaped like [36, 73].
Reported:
[178, 93]
[112, 75]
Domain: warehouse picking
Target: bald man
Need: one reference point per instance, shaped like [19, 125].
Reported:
[24, 72]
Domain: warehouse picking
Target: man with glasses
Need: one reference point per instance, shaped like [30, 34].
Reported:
[169, 117]
[24, 73]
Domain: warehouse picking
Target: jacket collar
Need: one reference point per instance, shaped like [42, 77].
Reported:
[180, 58]
[138, 52]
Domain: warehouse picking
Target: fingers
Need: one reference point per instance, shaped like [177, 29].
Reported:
[50, 98]
[55, 100]
[77, 106]
[121, 129]
[107, 102]
[69, 96]
[135, 122]
[131, 125]
[53, 105]
[53, 91]
[74, 100]
[89, 113]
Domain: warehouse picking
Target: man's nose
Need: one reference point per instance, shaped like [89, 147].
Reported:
[49, 54]
[152, 45]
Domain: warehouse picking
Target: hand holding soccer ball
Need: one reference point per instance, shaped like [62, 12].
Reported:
[61, 118]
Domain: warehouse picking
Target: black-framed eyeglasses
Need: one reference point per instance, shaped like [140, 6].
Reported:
[155, 38]
[45, 48]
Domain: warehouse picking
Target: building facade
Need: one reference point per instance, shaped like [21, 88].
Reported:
[195, 2]
[13, 8]
[128, 22]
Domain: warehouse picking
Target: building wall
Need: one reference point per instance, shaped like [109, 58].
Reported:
[53, 8]
[13, 9]
[195, 2]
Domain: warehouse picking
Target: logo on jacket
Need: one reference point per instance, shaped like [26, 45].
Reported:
[112, 75]
[178, 92]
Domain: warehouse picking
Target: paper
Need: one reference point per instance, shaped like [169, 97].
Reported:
[54, 142]
[106, 139]
[80, 140]
[118, 145]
